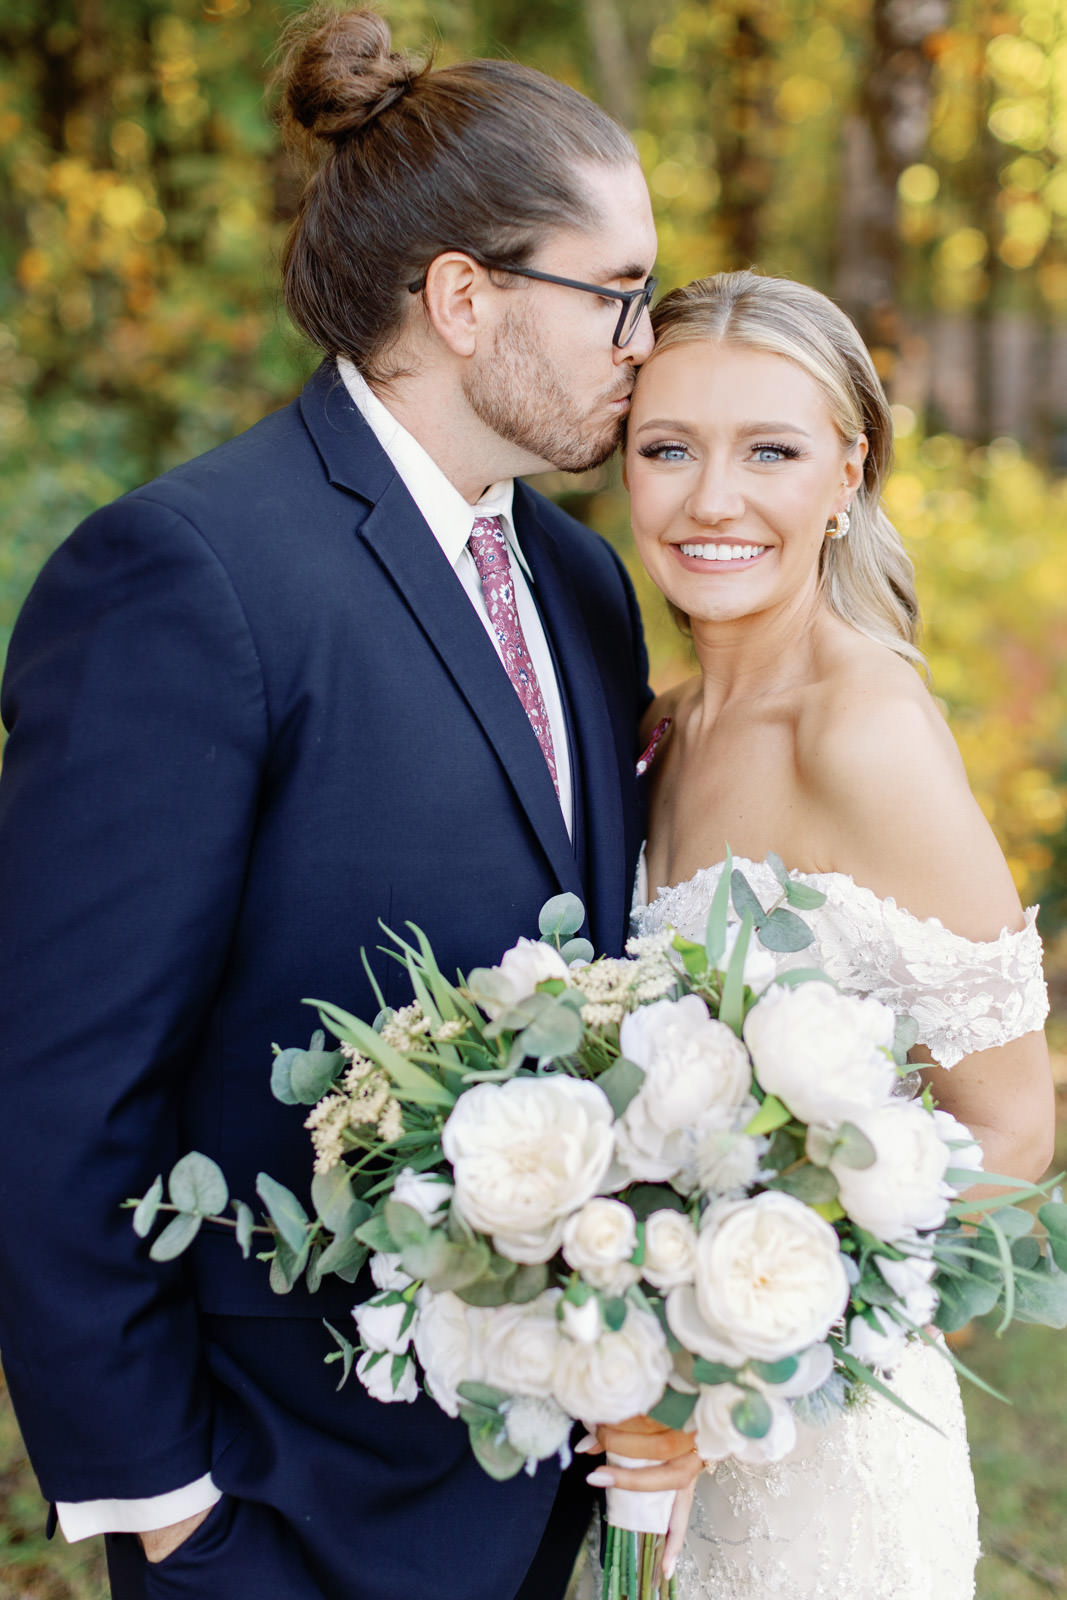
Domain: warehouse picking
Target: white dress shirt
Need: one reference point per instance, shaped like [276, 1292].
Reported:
[450, 519]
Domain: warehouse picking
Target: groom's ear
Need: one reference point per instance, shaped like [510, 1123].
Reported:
[459, 301]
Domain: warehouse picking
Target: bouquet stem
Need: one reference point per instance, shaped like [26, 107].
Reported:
[636, 1533]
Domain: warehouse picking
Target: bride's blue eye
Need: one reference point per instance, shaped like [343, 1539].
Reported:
[663, 452]
[771, 453]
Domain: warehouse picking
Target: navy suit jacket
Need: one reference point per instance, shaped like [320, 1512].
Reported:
[251, 712]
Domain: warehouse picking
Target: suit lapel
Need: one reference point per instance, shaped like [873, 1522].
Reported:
[598, 782]
[401, 542]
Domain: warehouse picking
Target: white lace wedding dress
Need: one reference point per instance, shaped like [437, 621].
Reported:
[874, 1505]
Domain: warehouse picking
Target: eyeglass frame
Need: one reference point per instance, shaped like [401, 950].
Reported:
[627, 296]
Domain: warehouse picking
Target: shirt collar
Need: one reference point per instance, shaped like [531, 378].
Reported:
[447, 514]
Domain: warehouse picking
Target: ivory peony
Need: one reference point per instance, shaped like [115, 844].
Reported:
[904, 1189]
[622, 1375]
[823, 1054]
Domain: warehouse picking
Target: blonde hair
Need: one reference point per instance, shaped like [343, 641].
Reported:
[867, 578]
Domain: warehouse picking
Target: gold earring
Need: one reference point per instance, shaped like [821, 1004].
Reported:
[838, 525]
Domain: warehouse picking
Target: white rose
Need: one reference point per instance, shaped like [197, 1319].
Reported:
[822, 1053]
[525, 1154]
[521, 969]
[385, 1327]
[760, 967]
[536, 1428]
[622, 1375]
[692, 1064]
[377, 1379]
[448, 1343]
[598, 1242]
[967, 1152]
[910, 1279]
[904, 1188]
[717, 1438]
[387, 1273]
[425, 1192]
[520, 1346]
[581, 1322]
[770, 1280]
[879, 1348]
[670, 1249]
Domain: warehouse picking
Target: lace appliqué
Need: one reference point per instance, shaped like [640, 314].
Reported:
[965, 995]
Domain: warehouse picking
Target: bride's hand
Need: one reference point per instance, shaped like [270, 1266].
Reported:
[677, 1463]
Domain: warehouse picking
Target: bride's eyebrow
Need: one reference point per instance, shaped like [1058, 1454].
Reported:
[772, 427]
[666, 423]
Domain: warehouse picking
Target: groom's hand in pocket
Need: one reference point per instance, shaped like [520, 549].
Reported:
[162, 1542]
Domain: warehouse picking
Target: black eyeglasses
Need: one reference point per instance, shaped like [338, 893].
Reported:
[634, 301]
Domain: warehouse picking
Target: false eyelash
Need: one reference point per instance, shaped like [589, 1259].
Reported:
[790, 451]
[653, 450]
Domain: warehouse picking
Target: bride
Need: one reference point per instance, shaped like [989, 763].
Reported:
[758, 442]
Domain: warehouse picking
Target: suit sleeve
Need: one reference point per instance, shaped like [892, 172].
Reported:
[137, 718]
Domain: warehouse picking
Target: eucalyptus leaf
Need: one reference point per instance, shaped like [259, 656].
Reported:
[752, 1415]
[798, 975]
[905, 1036]
[577, 950]
[1014, 1221]
[245, 1223]
[613, 1312]
[772, 1114]
[784, 931]
[649, 1197]
[375, 1233]
[177, 1236]
[332, 1197]
[713, 1372]
[561, 917]
[313, 1276]
[443, 1265]
[621, 1082]
[147, 1209]
[495, 1455]
[281, 1076]
[344, 1256]
[775, 1371]
[346, 1351]
[287, 1265]
[819, 1144]
[556, 1032]
[285, 1211]
[1026, 1252]
[802, 896]
[406, 1225]
[312, 1073]
[482, 1394]
[853, 1148]
[528, 1282]
[778, 867]
[962, 1299]
[745, 899]
[674, 1409]
[197, 1185]
[1042, 1298]
[486, 1291]
[813, 1185]
[1053, 1218]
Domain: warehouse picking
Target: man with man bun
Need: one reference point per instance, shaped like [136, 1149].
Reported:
[342, 668]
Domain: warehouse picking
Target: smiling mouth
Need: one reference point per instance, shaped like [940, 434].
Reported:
[723, 552]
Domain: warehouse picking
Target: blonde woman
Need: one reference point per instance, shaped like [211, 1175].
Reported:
[758, 443]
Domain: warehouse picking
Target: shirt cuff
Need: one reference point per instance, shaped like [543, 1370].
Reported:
[82, 1519]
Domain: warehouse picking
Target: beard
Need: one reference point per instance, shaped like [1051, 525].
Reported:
[521, 396]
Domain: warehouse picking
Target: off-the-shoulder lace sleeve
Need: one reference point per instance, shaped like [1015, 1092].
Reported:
[965, 995]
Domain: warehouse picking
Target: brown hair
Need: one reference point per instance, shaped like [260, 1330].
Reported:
[867, 578]
[409, 162]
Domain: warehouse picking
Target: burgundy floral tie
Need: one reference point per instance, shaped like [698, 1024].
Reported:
[489, 548]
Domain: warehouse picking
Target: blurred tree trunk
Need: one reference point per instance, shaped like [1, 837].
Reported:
[613, 65]
[886, 133]
[744, 168]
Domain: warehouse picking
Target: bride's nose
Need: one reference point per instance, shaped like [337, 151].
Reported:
[715, 496]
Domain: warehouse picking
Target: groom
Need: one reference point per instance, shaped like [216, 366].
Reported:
[341, 669]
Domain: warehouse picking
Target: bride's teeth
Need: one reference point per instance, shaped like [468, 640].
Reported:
[723, 552]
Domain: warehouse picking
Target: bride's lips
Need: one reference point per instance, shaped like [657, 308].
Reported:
[718, 555]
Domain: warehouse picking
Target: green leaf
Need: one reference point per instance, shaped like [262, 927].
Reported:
[798, 975]
[313, 1276]
[905, 1036]
[281, 1076]
[285, 1210]
[745, 900]
[561, 917]
[614, 1313]
[577, 950]
[197, 1185]
[784, 931]
[813, 1185]
[177, 1236]
[245, 1223]
[783, 1150]
[648, 1197]
[312, 1073]
[487, 1291]
[332, 1197]
[713, 1372]
[1014, 1221]
[752, 1415]
[870, 1381]
[406, 1225]
[495, 1455]
[346, 1352]
[443, 1265]
[621, 1082]
[344, 1256]
[482, 1394]
[674, 1409]
[772, 1114]
[1026, 1252]
[803, 896]
[410, 1081]
[775, 1371]
[147, 1208]
[819, 1142]
[1053, 1218]
[694, 957]
[556, 1031]
[287, 1265]
[732, 1004]
[853, 1148]
[375, 1233]
[778, 867]
[719, 914]
[1042, 1298]
[529, 1282]
[962, 1299]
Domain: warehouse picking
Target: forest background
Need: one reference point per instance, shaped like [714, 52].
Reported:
[909, 157]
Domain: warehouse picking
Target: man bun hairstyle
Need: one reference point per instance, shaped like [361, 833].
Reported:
[868, 577]
[406, 161]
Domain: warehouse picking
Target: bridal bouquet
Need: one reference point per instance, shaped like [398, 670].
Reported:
[680, 1184]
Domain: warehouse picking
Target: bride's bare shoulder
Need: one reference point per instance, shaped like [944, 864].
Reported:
[887, 795]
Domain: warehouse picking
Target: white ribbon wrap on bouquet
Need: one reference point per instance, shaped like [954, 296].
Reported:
[638, 1510]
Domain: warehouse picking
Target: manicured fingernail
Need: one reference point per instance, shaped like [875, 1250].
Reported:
[601, 1478]
[590, 1442]
[668, 1568]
